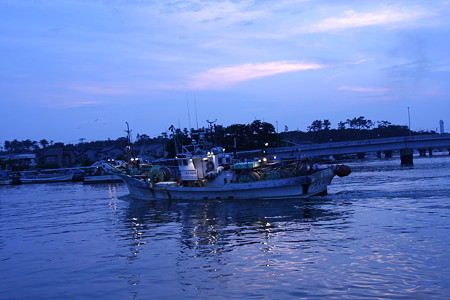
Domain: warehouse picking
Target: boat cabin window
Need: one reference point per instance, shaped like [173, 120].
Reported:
[183, 162]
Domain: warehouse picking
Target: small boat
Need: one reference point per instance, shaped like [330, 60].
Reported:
[214, 174]
[96, 173]
[6, 177]
[5, 181]
[106, 178]
[46, 176]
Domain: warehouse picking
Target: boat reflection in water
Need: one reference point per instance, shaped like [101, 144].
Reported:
[200, 241]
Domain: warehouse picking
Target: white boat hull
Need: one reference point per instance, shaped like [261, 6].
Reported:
[47, 179]
[101, 179]
[6, 181]
[295, 187]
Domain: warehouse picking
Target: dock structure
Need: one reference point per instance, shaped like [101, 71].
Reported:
[406, 145]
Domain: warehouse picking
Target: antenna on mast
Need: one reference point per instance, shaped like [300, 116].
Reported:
[128, 131]
[128, 150]
[196, 117]
[211, 128]
[211, 123]
[174, 136]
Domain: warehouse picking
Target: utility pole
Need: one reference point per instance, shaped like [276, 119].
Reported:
[82, 148]
[409, 122]
[278, 137]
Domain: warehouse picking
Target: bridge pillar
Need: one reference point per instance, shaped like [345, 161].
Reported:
[379, 154]
[387, 153]
[406, 157]
[430, 150]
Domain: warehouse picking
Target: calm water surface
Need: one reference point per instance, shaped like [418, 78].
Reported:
[382, 232]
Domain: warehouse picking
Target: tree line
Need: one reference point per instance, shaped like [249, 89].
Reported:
[256, 135]
[240, 137]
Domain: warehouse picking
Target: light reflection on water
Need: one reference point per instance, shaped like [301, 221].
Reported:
[383, 232]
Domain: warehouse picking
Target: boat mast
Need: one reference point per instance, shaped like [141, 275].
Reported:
[196, 117]
[172, 129]
[128, 147]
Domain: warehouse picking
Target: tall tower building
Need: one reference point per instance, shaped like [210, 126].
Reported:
[441, 126]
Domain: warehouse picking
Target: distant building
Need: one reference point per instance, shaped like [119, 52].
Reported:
[58, 156]
[24, 159]
[441, 126]
[149, 153]
[91, 155]
[111, 152]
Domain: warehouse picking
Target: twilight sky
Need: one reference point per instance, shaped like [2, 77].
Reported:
[74, 69]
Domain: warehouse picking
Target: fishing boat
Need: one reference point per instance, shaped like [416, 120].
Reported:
[5, 178]
[202, 174]
[96, 173]
[106, 178]
[5, 181]
[45, 176]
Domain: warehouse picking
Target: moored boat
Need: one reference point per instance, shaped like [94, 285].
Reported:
[97, 174]
[45, 177]
[107, 178]
[5, 181]
[5, 177]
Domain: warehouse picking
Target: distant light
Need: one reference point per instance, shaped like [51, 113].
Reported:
[266, 144]
[264, 159]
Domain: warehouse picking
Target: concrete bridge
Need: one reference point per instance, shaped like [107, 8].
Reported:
[406, 145]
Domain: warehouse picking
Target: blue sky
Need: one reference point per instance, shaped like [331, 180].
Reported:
[74, 69]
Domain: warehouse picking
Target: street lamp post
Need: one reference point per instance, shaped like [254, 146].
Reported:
[409, 122]
[278, 138]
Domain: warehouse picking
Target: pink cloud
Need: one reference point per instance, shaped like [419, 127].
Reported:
[353, 19]
[436, 91]
[363, 89]
[226, 76]
[97, 90]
